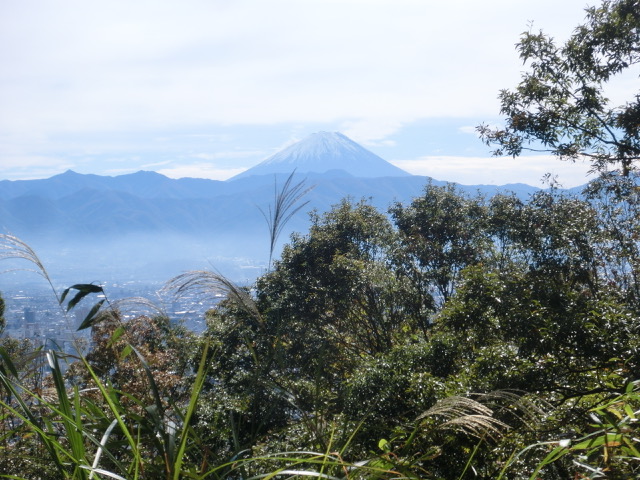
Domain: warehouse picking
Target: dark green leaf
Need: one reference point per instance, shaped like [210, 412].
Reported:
[83, 289]
[91, 317]
[6, 360]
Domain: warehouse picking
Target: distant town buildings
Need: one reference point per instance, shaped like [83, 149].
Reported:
[32, 312]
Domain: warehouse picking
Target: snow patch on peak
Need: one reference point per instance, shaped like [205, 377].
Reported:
[322, 152]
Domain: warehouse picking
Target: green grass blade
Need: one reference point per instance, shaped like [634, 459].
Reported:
[8, 362]
[166, 432]
[193, 401]
[83, 289]
[27, 416]
[116, 409]
[70, 420]
[92, 317]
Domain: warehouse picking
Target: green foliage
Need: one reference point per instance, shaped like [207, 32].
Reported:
[2, 320]
[363, 325]
[441, 233]
[331, 296]
[618, 203]
[409, 346]
[606, 448]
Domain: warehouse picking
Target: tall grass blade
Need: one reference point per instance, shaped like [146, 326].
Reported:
[117, 411]
[191, 408]
[156, 411]
[7, 362]
[26, 415]
[71, 418]
[294, 473]
[92, 316]
[83, 289]
[104, 472]
[101, 447]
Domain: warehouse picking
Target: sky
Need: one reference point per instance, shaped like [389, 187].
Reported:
[209, 88]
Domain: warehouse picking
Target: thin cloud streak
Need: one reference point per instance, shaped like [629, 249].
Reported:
[497, 171]
[200, 170]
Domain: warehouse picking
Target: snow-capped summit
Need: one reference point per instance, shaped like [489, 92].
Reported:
[323, 152]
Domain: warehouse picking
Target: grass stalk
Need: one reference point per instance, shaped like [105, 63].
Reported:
[285, 205]
[191, 408]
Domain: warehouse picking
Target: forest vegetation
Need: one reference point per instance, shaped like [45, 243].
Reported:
[454, 337]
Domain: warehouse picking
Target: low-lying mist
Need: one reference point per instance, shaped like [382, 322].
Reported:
[141, 257]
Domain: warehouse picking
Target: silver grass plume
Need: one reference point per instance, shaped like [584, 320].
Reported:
[466, 415]
[208, 282]
[528, 409]
[131, 303]
[11, 247]
[283, 209]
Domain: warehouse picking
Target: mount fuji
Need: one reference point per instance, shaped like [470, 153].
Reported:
[326, 152]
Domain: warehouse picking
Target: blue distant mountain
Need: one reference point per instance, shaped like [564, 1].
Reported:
[189, 221]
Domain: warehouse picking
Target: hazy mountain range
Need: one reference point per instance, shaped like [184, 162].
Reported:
[147, 226]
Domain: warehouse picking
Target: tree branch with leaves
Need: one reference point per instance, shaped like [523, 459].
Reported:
[561, 105]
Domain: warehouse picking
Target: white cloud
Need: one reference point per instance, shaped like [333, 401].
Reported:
[154, 165]
[469, 129]
[200, 170]
[29, 167]
[496, 171]
[371, 132]
[228, 154]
